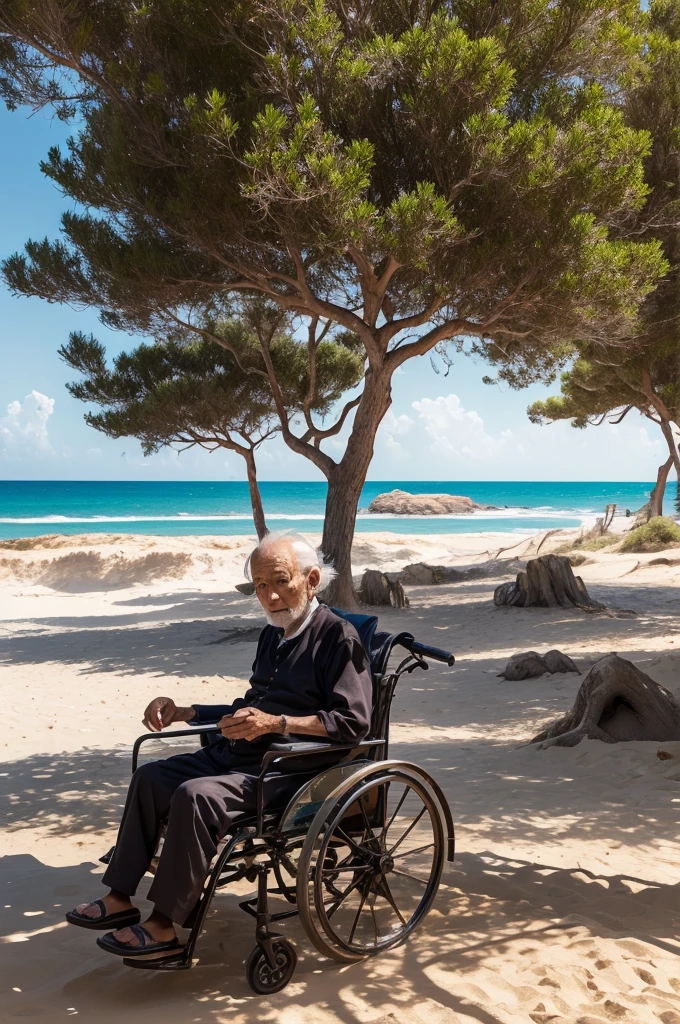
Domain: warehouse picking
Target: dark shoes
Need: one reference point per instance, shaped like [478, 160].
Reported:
[121, 919]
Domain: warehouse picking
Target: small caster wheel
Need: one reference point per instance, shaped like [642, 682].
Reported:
[264, 979]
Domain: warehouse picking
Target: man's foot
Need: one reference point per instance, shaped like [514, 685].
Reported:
[114, 904]
[113, 910]
[158, 929]
[155, 936]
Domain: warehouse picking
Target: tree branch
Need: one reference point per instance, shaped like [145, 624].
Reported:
[389, 330]
[320, 435]
[615, 419]
[324, 462]
[218, 341]
[426, 343]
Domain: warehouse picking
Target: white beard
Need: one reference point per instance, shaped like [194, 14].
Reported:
[287, 616]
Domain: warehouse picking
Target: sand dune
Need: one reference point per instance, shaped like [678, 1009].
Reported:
[562, 904]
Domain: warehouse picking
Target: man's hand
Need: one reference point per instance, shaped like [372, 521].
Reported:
[248, 724]
[163, 711]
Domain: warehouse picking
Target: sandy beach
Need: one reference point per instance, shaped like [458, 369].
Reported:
[562, 904]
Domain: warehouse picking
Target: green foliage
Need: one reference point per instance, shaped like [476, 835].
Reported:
[660, 532]
[298, 145]
[608, 379]
[605, 381]
[183, 390]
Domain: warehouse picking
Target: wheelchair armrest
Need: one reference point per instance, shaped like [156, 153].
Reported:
[195, 730]
[303, 748]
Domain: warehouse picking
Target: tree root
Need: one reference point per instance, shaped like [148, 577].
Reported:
[616, 703]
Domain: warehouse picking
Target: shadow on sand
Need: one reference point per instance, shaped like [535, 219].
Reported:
[487, 908]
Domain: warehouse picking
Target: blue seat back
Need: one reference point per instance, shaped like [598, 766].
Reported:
[365, 626]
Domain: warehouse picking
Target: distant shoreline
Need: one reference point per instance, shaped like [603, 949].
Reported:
[173, 509]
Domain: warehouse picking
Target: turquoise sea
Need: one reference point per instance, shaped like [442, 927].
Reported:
[31, 508]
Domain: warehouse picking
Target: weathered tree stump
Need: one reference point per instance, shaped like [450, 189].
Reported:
[555, 661]
[378, 589]
[548, 582]
[529, 664]
[616, 703]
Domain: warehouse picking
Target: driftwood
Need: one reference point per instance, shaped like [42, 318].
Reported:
[378, 589]
[523, 666]
[422, 574]
[555, 661]
[616, 703]
[529, 664]
[246, 588]
[548, 582]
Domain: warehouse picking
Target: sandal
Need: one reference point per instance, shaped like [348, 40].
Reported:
[147, 943]
[122, 918]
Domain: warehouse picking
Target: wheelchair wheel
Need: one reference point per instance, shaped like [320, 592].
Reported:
[265, 979]
[388, 837]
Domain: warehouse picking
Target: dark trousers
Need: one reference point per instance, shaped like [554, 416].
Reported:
[200, 795]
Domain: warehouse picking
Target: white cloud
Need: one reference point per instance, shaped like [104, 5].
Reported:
[455, 431]
[25, 425]
[645, 441]
[393, 427]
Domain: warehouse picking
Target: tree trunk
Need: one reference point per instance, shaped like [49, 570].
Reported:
[667, 431]
[656, 497]
[616, 703]
[338, 531]
[255, 496]
[345, 483]
[379, 588]
[548, 582]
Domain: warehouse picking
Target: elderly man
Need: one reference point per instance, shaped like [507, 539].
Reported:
[310, 678]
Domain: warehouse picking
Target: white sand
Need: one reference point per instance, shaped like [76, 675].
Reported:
[562, 904]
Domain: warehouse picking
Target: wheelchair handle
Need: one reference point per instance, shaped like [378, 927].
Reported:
[434, 653]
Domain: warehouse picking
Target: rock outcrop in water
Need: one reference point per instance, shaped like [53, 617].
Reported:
[402, 503]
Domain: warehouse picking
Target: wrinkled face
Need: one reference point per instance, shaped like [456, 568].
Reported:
[282, 589]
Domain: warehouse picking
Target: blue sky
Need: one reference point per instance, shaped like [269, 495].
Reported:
[440, 427]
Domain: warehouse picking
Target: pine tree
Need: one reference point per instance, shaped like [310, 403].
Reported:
[187, 391]
[607, 380]
[612, 383]
[414, 172]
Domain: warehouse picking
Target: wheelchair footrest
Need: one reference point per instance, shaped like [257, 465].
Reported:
[177, 962]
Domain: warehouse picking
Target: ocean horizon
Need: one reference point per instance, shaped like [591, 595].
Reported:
[172, 508]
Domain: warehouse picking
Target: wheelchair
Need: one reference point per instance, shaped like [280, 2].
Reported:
[357, 852]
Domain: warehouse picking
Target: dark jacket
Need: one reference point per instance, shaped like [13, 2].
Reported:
[324, 671]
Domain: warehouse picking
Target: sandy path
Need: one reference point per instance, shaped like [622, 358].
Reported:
[562, 904]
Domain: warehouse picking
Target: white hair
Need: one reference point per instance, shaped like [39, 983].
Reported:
[308, 557]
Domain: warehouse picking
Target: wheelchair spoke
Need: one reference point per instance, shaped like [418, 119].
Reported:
[395, 813]
[356, 919]
[407, 874]
[341, 899]
[418, 849]
[368, 829]
[386, 893]
[408, 830]
[350, 842]
[375, 923]
[345, 867]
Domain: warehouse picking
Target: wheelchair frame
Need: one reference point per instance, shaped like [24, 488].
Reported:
[267, 841]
